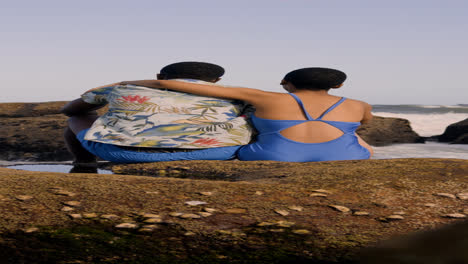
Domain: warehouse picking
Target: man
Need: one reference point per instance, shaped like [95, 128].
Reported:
[147, 125]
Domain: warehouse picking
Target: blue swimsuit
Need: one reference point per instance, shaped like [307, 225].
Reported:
[271, 145]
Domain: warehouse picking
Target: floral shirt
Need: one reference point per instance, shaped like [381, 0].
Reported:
[147, 117]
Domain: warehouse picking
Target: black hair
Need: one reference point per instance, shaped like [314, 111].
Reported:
[192, 70]
[315, 78]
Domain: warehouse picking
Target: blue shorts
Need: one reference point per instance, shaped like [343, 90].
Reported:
[119, 155]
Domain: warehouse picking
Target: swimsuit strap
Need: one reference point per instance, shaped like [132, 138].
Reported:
[299, 101]
[332, 107]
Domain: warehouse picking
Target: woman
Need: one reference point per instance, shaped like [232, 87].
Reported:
[306, 124]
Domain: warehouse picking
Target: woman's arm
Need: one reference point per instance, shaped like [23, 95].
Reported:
[367, 117]
[252, 96]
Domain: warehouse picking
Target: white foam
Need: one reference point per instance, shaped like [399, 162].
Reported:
[427, 124]
[431, 106]
[427, 150]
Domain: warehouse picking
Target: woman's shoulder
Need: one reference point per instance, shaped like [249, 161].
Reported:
[357, 103]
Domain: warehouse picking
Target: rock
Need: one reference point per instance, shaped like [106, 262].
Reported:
[75, 216]
[361, 213]
[30, 109]
[145, 230]
[145, 215]
[430, 204]
[90, 215]
[457, 132]
[446, 195]
[463, 139]
[150, 226]
[63, 192]
[445, 244]
[378, 186]
[281, 212]
[111, 217]
[24, 198]
[175, 214]
[284, 224]
[455, 215]
[265, 224]
[258, 193]
[31, 230]
[210, 210]
[399, 213]
[152, 220]
[205, 214]
[189, 233]
[382, 131]
[72, 203]
[206, 193]
[127, 226]
[296, 208]
[189, 216]
[277, 230]
[462, 196]
[394, 217]
[318, 195]
[340, 208]
[235, 211]
[301, 231]
[17, 120]
[195, 203]
[67, 209]
[321, 191]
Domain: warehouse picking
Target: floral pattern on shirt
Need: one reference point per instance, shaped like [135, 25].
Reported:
[146, 117]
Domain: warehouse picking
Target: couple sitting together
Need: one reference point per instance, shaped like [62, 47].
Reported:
[183, 115]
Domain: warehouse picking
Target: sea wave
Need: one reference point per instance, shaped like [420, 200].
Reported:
[428, 150]
[422, 109]
[427, 124]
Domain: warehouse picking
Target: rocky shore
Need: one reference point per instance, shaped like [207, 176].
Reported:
[455, 133]
[227, 212]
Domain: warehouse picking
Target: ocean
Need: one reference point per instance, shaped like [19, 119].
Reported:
[426, 120]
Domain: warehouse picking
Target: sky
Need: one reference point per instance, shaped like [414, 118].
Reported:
[394, 52]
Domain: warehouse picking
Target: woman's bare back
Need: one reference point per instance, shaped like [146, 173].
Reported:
[285, 107]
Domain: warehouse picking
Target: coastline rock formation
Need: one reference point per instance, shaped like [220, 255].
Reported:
[33, 132]
[249, 212]
[382, 131]
[456, 133]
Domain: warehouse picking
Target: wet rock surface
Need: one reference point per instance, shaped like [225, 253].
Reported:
[382, 131]
[283, 223]
[33, 132]
[456, 133]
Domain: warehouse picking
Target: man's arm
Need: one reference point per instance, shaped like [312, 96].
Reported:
[79, 107]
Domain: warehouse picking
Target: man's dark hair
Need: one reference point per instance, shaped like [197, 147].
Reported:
[315, 78]
[192, 70]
